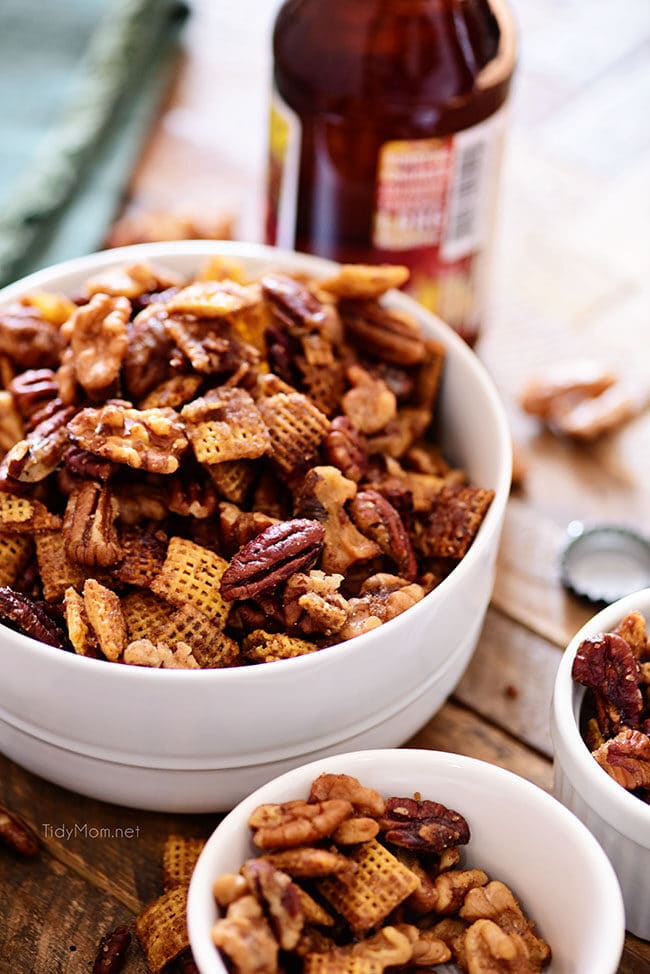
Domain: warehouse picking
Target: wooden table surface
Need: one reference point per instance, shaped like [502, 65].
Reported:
[571, 277]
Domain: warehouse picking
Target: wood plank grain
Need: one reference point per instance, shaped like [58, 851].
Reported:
[458, 730]
[116, 850]
[509, 681]
[51, 921]
[527, 587]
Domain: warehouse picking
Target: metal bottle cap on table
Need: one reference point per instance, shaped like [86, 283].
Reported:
[605, 562]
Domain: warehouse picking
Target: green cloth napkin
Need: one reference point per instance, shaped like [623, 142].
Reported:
[80, 82]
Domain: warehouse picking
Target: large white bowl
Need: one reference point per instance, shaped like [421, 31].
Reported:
[186, 741]
[519, 835]
[619, 820]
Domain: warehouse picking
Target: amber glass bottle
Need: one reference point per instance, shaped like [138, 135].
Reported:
[386, 127]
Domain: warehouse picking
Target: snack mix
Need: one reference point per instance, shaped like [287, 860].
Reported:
[615, 666]
[221, 472]
[349, 883]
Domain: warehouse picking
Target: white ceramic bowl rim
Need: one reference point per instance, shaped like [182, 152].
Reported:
[489, 776]
[159, 252]
[621, 809]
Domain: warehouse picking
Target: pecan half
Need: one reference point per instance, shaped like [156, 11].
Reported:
[355, 830]
[423, 825]
[111, 954]
[98, 339]
[606, 664]
[293, 303]
[17, 835]
[389, 335]
[148, 439]
[82, 463]
[23, 614]
[147, 359]
[377, 519]
[308, 861]
[365, 801]
[626, 758]
[345, 448]
[272, 557]
[295, 823]
[40, 453]
[281, 897]
[33, 389]
[89, 526]
[28, 339]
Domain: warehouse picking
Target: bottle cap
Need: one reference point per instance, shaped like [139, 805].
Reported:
[605, 562]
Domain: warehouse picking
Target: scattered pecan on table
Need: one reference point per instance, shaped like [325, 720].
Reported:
[220, 471]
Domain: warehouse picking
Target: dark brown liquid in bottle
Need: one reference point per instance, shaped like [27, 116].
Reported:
[363, 73]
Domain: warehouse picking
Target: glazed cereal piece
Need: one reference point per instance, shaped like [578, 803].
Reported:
[364, 281]
[57, 571]
[80, 632]
[143, 556]
[192, 575]
[144, 614]
[105, 616]
[454, 522]
[269, 647]
[366, 896]
[210, 646]
[15, 552]
[21, 515]
[296, 428]
[162, 928]
[180, 856]
[225, 425]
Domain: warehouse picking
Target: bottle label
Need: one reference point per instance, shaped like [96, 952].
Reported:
[434, 212]
[283, 170]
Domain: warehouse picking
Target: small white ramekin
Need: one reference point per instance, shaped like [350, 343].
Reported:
[519, 835]
[619, 820]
